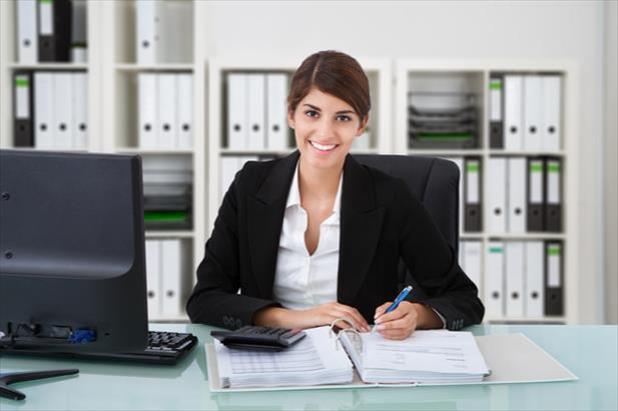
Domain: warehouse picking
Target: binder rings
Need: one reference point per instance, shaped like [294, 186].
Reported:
[513, 106]
[44, 110]
[536, 195]
[514, 270]
[516, 195]
[496, 198]
[534, 280]
[27, 35]
[23, 109]
[54, 30]
[553, 279]
[496, 125]
[473, 198]
[552, 107]
[553, 205]
[533, 96]
[494, 279]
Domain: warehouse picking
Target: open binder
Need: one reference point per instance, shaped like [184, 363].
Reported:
[512, 358]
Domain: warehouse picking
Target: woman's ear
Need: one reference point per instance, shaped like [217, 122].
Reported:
[291, 119]
[362, 125]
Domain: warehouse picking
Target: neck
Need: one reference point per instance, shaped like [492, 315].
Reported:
[320, 182]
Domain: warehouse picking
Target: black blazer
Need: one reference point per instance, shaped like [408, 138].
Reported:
[381, 222]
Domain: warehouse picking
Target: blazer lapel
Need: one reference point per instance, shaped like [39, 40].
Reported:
[361, 224]
[265, 211]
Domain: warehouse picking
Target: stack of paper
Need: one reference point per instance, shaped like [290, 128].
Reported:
[435, 357]
[312, 361]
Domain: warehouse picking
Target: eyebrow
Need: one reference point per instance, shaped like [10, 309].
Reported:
[339, 112]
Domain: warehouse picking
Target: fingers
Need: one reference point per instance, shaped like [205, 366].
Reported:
[398, 324]
[381, 309]
[351, 314]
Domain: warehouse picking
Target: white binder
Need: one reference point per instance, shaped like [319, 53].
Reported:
[229, 167]
[80, 110]
[533, 113]
[493, 284]
[166, 111]
[472, 261]
[535, 288]
[552, 107]
[171, 277]
[184, 104]
[461, 256]
[147, 113]
[27, 36]
[256, 116]
[516, 197]
[496, 196]
[513, 96]
[276, 112]
[237, 111]
[146, 35]
[514, 270]
[460, 164]
[44, 110]
[153, 278]
[63, 122]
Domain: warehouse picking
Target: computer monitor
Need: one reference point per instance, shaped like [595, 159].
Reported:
[72, 265]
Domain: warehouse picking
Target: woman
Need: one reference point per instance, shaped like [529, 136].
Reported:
[316, 236]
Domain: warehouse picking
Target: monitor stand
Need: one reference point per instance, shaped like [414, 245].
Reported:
[10, 378]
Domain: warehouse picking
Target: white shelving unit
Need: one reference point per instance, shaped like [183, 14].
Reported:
[112, 70]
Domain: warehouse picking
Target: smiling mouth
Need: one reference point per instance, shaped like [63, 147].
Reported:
[323, 147]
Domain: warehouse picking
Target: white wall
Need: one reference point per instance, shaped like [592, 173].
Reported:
[512, 30]
[610, 185]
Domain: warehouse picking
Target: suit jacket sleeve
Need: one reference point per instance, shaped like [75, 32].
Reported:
[434, 266]
[215, 299]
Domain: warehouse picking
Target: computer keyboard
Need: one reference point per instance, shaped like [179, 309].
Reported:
[162, 348]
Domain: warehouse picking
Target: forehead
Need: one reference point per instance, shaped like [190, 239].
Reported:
[325, 101]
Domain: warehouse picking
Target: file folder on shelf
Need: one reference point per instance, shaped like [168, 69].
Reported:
[534, 279]
[80, 110]
[514, 270]
[256, 135]
[63, 122]
[459, 161]
[166, 111]
[472, 251]
[184, 116]
[553, 204]
[54, 30]
[237, 111]
[171, 277]
[552, 107]
[147, 27]
[277, 132]
[493, 283]
[553, 279]
[496, 101]
[23, 110]
[153, 278]
[147, 112]
[472, 188]
[536, 197]
[516, 196]
[513, 96]
[79, 32]
[27, 35]
[533, 95]
[44, 110]
[496, 197]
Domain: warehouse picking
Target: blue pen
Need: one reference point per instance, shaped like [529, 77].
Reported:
[403, 294]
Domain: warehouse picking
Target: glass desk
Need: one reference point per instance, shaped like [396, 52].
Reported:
[590, 352]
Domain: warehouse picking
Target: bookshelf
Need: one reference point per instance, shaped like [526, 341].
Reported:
[113, 70]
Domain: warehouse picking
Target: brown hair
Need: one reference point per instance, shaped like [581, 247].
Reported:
[334, 73]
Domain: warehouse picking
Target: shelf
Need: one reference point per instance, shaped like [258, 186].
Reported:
[446, 152]
[181, 318]
[524, 320]
[49, 66]
[132, 67]
[499, 152]
[153, 151]
[169, 234]
[471, 236]
[527, 236]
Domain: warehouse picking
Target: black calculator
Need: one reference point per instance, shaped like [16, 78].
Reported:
[259, 338]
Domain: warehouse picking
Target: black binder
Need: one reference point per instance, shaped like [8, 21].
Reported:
[23, 109]
[55, 19]
[472, 210]
[535, 197]
[553, 194]
[496, 116]
[554, 279]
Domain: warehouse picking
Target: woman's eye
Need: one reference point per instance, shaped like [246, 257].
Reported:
[311, 113]
[344, 118]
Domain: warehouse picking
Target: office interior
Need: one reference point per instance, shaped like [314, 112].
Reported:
[453, 54]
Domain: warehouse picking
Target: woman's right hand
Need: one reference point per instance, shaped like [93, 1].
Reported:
[323, 314]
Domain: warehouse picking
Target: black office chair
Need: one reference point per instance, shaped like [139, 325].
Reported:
[434, 181]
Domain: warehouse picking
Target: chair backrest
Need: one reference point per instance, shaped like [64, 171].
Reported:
[434, 181]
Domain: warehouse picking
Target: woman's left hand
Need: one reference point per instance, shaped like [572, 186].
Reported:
[399, 323]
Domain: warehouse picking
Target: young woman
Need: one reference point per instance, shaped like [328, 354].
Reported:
[316, 236]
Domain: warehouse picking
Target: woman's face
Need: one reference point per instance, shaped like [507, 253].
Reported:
[325, 128]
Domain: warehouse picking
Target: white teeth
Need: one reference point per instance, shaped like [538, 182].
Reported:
[321, 147]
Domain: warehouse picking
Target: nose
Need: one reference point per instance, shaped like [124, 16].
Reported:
[325, 129]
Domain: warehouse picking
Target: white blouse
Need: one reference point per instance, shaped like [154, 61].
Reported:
[303, 280]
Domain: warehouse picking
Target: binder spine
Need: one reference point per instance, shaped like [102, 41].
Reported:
[496, 125]
[554, 279]
[55, 17]
[553, 203]
[536, 194]
[23, 109]
[473, 200]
